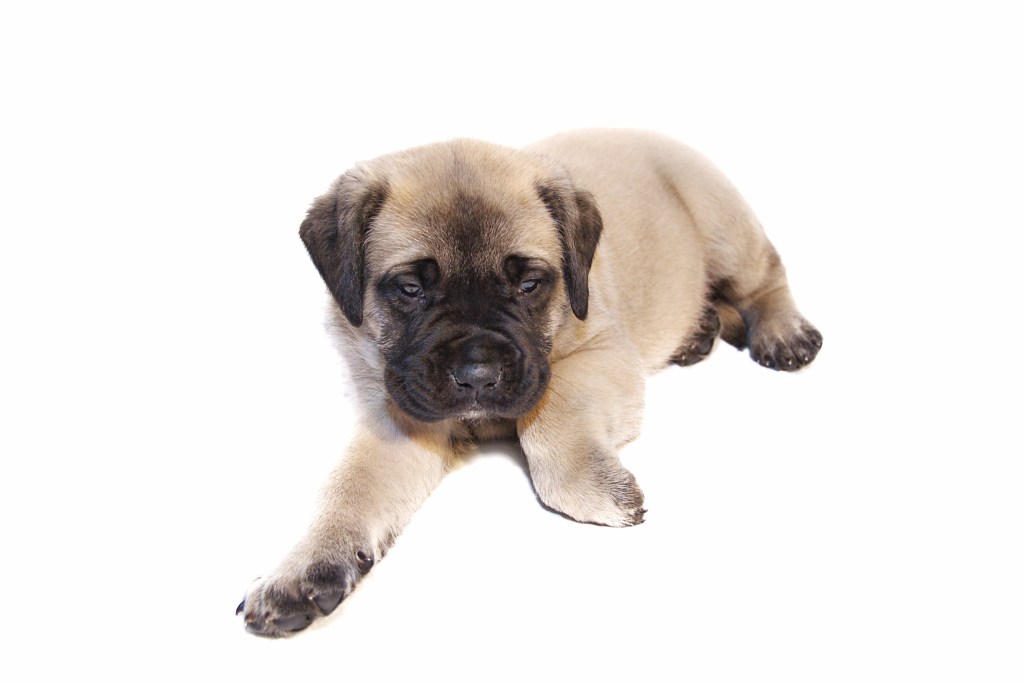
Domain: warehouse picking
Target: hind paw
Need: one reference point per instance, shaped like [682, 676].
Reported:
[701, 341]
[786, 347]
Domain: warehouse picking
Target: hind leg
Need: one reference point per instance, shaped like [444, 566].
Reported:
[749, 290]
[779, 337]
[734, 330]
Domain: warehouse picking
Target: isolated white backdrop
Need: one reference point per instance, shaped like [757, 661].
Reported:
[171, 403]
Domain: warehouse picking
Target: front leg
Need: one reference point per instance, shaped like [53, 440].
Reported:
[385, 477]
[592, 407]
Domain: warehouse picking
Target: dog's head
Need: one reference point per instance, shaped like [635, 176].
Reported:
[459, 260]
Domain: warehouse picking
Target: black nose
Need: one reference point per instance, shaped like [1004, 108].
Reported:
[477, 375]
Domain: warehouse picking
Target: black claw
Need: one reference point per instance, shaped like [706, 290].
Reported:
[240, 608]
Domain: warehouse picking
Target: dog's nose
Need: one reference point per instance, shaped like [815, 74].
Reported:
[477, 375]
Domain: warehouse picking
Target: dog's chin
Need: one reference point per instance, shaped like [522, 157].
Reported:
[479, 414]
[434, 409]
[474, 415]
[472, 412]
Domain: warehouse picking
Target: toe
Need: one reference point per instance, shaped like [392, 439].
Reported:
[293, 623]
[328, 600]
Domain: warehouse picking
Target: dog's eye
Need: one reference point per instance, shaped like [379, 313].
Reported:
[411, 290]
[528, 286]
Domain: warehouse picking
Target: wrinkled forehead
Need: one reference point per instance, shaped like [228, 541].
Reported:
[468, 221]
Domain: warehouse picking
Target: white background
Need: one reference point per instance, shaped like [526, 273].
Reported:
[172, 404]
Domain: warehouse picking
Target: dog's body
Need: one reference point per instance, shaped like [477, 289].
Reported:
[485, 292]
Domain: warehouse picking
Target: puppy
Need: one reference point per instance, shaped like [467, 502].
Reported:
[485, 292]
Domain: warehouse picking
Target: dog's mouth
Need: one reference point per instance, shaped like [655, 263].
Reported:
[447, 395]
[474, 413]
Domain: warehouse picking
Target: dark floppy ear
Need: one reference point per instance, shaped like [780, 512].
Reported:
[579, 229]
[334, 232]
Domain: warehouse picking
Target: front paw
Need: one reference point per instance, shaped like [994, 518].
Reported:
[604, 495]
[628, 498]
[291, 600]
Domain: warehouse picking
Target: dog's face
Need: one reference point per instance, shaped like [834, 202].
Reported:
[459, 261]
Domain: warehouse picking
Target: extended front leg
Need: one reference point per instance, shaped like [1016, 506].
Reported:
[571, 439]
[384, 478]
